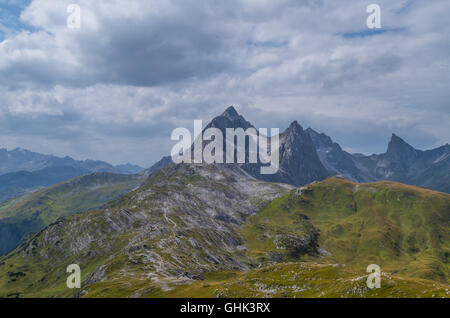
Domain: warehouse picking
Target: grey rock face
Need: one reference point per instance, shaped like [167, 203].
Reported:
[336, 160]
[299, 162]
[229, 119]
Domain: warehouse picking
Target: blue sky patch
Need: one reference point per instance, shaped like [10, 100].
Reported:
[10, 17]
[368, 32]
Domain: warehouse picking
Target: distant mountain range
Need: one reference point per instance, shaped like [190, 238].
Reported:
[24, 160]
[307, 156]
[401, 163]
[15, 184]
[23, 171]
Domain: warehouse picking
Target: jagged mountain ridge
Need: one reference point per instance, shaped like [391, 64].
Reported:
[298, 160]
[307, 156]
[401, 163]
[230, 118]
[24, 160]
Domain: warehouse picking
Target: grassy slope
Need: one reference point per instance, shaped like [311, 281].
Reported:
[402, 228]
[305, 280]
[29, 274]
[291, 279]
[33, 212]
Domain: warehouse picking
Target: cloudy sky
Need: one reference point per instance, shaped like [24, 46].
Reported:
[115, 88]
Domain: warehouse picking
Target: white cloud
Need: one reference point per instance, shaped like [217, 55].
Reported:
[137, 69]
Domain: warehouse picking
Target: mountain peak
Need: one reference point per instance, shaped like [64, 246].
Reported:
[230, 118]
[294, 127]
[397, 144]
[400, 150]
[231, 113]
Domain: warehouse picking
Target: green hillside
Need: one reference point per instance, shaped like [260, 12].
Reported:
[33, 212]
[404, 229]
